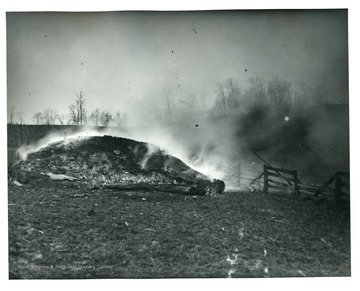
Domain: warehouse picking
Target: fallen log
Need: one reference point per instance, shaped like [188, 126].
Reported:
[201, 188]
[60, 177]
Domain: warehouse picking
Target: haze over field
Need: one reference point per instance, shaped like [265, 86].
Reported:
[125, 60]
[210, 87]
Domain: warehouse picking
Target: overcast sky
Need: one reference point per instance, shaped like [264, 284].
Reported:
[123, 60]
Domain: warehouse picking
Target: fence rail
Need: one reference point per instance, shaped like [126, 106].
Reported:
[290, 176]
[340, 180]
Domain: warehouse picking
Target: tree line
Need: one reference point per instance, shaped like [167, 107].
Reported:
[229, 96]
[79, 115]
[275, 92]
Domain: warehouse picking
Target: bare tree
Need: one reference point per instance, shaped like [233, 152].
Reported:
[228, 94]
[256, 94]
[38, 117]
[80, 107]
[11, 114]
[95, 116]
[21, 118]
[49, 117]
[78, 110]
[62, 118]
[278, 91]
[233, 93]
[221, 97]
[69, 120]
[120, 119]
[73, 116]
[105, 118]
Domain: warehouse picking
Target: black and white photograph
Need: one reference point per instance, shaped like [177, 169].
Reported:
[178, 144]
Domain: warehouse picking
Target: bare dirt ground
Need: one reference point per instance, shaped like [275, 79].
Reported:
[58, 230]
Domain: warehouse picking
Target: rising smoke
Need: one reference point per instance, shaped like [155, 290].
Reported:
[312, 141]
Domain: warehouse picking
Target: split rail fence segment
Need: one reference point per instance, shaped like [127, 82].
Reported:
[290, 176]
[340, 180]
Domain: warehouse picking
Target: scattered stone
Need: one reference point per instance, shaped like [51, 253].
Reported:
[38, 256]
[301, 273]
[17, 183]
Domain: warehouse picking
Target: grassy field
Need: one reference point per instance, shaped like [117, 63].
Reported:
[58, 230]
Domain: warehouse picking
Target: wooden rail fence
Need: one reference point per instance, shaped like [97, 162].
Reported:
[283, 178]
[290, 176]
[341, 181]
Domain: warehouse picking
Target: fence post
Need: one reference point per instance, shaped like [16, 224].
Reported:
[296, 183]
[266, 182]
[338, 193]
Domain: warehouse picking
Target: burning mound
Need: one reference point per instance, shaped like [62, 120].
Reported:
[106, 160]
